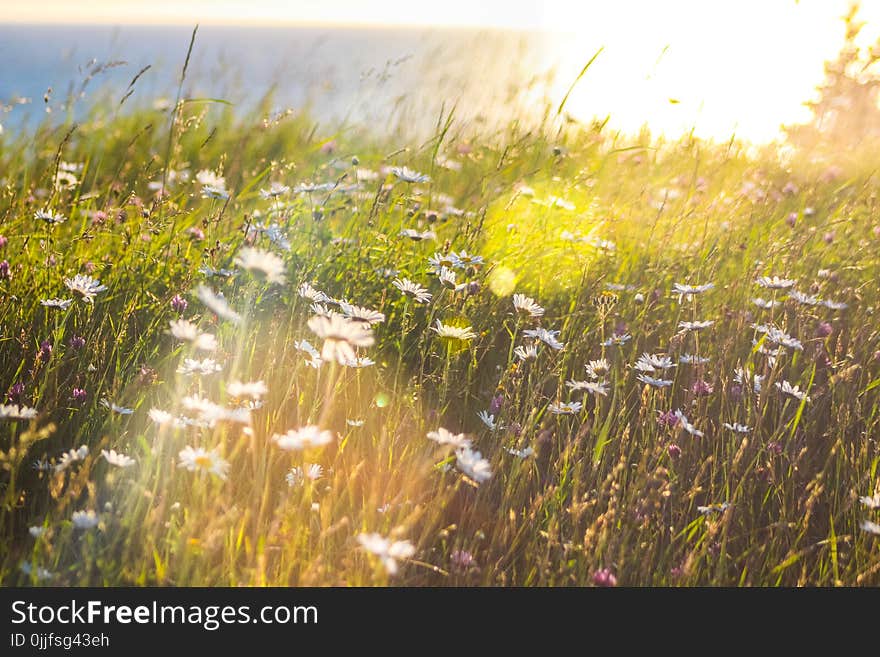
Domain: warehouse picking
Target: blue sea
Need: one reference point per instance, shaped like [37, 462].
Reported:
[400, 78]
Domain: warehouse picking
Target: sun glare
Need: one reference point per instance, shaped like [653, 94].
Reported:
[717, 70]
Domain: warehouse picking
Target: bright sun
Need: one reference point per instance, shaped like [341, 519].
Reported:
[742, 67]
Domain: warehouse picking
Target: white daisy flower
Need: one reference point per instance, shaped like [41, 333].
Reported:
[409, 176]
[794, 391]
[450, 332]
[805, 299]
[593, 387]
[833, 305]
[775, 282]
[463, 260]
[85, 286]
[565, 408]
[473, 465]
[311, 188]
[85, 519]
[766, 304]
[438, 262]
[322, 310]
[16, 412]
[36, 531]
[186, 331]
[303, 438]
[252, 389]
[686, 425]
[520, 453]
[777, 336]
[38, 572]
[306, 347]
[597, 368]
[547, 336]
[527, 306]
[447, 278]
[298, 476]
[49, 217]
[713, 508]
[121, 410]
[360, 314]
[211, 191]
[872, 502]
[264, 264]
[683, 290]
[275, 234]
[870, 527]
[359, 362]
[736, 427]
[119, 460]
[418, 235]
[209, 177]
[198, 459]
[413, 290]
[275, 190]
[691, 359]
[654, 382]
[695, 326]
[210, 413]
[217, 304]
[204, 367]
[745, 378]
[617, 340]
[387, 550]
[210, 272]
[444, 437]
[653, 363]
[60, 304]
[306, 291]
[526, 352]
[341, 336]
[489, 420]
[70, 457]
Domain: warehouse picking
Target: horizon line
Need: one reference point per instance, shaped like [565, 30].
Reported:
[175, 22]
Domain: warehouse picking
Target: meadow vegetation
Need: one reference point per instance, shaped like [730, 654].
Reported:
[685, 393]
